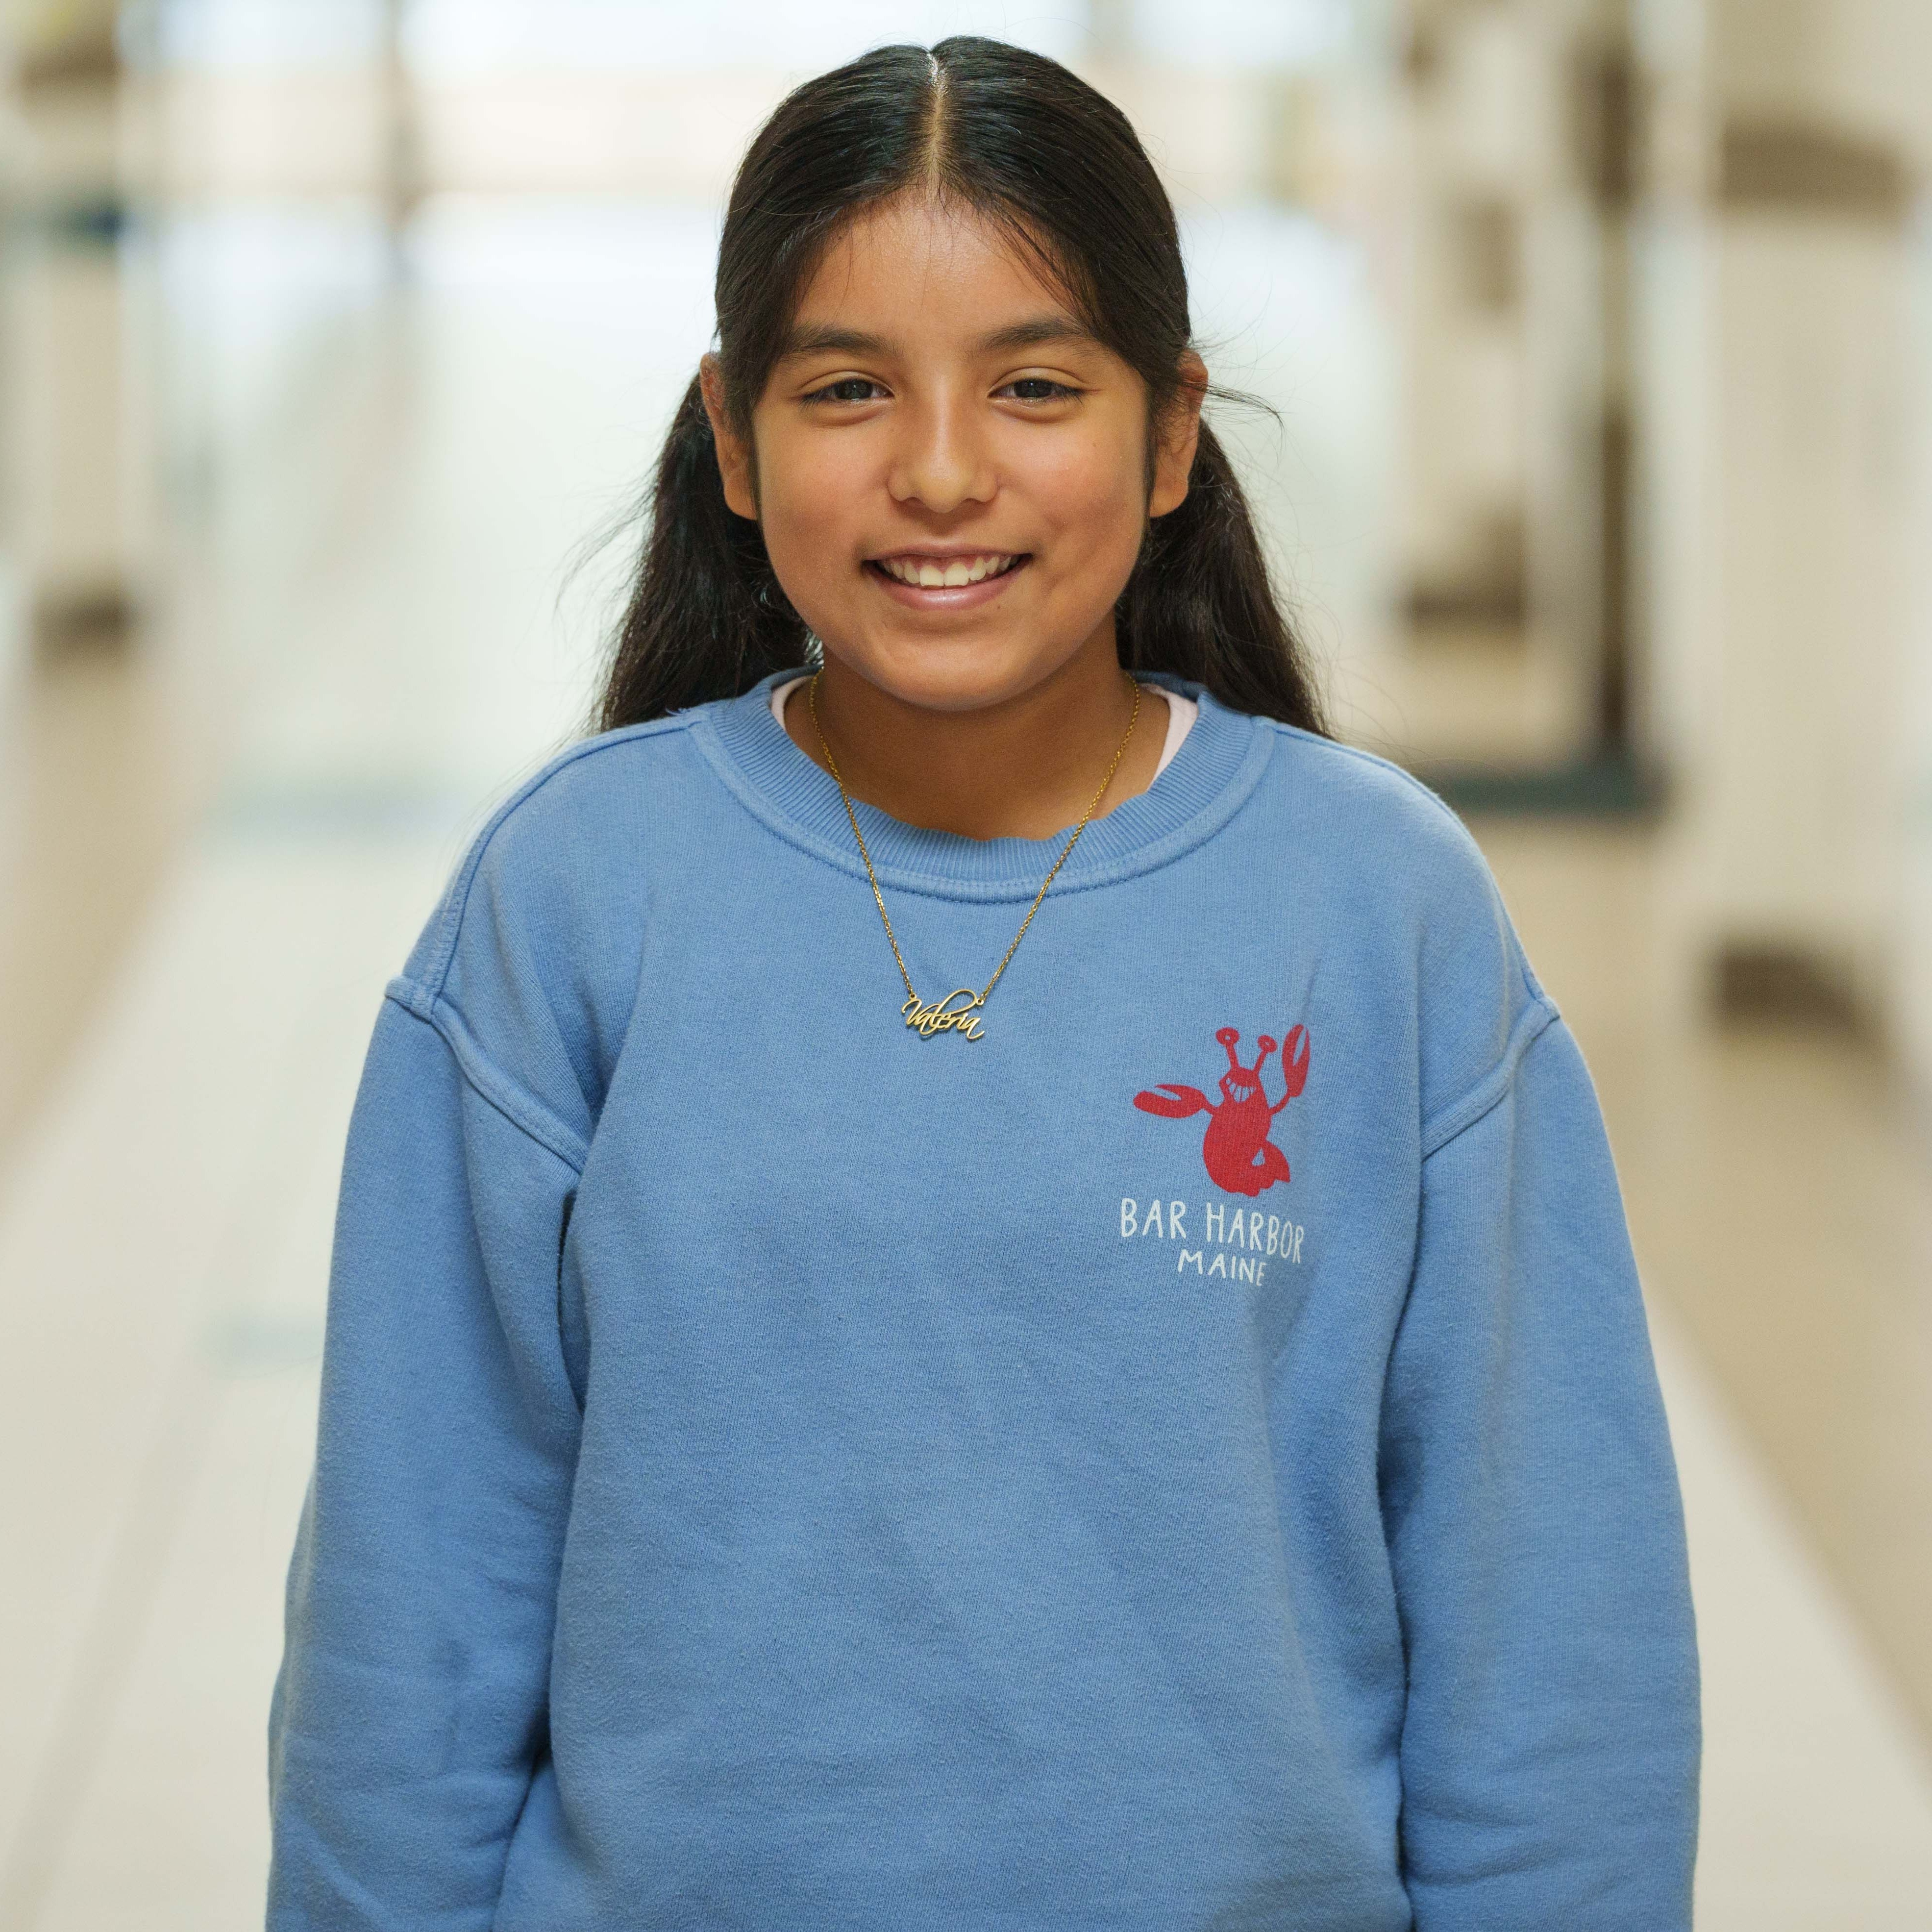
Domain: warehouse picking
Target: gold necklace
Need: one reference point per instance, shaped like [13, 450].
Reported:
[942, 1015]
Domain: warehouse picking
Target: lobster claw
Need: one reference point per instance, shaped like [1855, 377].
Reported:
[1175, 1102]
[1295, 1060]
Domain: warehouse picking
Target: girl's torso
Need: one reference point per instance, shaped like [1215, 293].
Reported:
[976, 1516]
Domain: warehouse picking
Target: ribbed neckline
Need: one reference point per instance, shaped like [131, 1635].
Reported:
[1217, 766]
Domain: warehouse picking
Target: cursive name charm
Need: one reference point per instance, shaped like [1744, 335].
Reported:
[942, 1016]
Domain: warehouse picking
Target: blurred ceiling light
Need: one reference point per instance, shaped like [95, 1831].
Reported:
[1243, 33]
[446, 36]
[271, 33]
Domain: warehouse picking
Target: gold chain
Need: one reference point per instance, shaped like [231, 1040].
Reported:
[942, 1016]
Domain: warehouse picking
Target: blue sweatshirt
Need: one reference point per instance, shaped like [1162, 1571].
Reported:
[1189, 1459]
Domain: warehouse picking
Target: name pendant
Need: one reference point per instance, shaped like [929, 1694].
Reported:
[942, 1016]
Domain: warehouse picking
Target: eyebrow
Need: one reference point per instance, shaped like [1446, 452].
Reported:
[826, 340]
[1041, 329]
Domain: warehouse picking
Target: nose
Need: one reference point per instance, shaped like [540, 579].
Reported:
[941, 462]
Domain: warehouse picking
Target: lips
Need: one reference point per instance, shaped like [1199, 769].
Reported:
[946, 573]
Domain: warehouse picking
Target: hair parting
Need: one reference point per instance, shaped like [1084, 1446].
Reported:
[1021, 142]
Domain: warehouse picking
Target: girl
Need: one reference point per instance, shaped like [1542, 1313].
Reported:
[975, 1286]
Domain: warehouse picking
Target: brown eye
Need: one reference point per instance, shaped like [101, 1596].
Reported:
[1035, 389]
[847, 389]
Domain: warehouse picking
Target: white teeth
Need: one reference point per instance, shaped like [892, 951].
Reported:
[951, 575]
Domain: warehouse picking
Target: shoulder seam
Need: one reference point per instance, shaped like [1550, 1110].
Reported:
[1355, 752]
[1460, 1115]
[488, 1081]
[457, 901]
[1463, 1113]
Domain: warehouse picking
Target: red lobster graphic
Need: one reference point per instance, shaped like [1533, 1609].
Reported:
[1238, 1153]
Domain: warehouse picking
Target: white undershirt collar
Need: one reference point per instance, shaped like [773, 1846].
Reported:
[1181, 713]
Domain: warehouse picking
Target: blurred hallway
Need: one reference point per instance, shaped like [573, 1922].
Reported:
[164, 1235]
[217, 847]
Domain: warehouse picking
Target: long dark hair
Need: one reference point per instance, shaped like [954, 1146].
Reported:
[1022, 141]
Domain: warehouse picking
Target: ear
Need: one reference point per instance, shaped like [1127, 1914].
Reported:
[1180, 437]
[734, 454]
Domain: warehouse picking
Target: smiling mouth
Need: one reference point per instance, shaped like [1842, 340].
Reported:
[946, 573]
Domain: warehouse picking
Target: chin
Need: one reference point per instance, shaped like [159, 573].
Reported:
[960, 674]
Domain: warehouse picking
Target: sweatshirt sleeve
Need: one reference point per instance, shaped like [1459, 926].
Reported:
[1549, 1746]
[410, 1711]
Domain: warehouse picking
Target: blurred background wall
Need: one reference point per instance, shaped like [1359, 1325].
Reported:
[1598, 335]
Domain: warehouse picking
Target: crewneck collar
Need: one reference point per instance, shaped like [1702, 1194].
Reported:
[1218, 764]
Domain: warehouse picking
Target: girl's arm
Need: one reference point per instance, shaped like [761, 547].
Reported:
[1550, 1745]
[409, 1715]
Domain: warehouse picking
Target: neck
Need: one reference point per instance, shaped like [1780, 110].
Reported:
[1025, 768]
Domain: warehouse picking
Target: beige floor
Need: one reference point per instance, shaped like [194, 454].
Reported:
[396, 656]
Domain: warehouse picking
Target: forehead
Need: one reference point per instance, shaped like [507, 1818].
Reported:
[915, 266]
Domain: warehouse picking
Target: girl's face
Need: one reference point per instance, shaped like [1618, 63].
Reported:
[949, 471]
